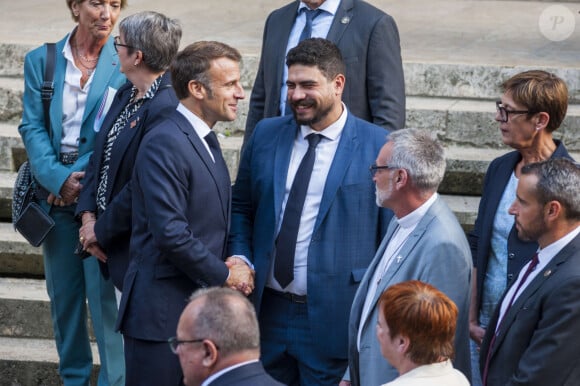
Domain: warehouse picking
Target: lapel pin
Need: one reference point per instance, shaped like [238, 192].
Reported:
[547, 272]
[345, 20]
[399, 258]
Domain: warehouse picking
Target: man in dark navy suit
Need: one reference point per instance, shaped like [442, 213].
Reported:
[181, 212]
[218, 341]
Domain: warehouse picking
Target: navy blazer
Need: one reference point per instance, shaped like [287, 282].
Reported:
[347, 231]
[368, 39]
[113, 226]
[251, 374]
[538, 343]
[519, 252]
[181, 211]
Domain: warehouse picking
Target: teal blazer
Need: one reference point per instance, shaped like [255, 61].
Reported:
[43, 152]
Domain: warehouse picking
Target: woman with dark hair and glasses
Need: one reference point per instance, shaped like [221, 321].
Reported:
[532, 107]
[146, 46]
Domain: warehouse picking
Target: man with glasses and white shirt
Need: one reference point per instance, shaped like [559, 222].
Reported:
[424, 242]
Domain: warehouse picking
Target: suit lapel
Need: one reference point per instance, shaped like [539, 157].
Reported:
[536, 284]
[283, 28]
[406, 251]
[347, 146]
[218, 170]
[341, 21]
[368, 276]
[283, 151]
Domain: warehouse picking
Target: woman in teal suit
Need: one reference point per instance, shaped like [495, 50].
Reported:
[86, 74]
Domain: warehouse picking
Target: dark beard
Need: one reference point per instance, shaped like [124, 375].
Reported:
[318, 116]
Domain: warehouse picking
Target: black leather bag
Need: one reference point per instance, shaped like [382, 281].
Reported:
[28, 218]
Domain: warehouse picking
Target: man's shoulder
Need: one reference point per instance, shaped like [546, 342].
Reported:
[284, 10]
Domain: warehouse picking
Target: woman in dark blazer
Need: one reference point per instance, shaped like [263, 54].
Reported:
[146, 46]
[532, 107]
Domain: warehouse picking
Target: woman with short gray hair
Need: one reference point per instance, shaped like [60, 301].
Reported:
[147, 44]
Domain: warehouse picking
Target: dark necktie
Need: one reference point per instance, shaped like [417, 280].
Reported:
[214, 146]
[529, 270]
[286, 242]
[310, 14]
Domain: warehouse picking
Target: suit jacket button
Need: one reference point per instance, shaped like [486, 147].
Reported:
[83, 140]
[510, 276]
[511, 256]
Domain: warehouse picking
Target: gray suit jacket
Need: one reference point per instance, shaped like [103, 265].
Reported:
[437, 253]
[539, 340]
[369, 41]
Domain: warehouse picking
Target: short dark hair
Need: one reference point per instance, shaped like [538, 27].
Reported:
[193, 62]
[540, 91]
[320, 53]
[558, 180]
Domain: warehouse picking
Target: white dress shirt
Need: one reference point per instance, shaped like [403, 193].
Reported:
[325, 152]
[320, 27]
[406, 225]
[544, 256]
[74, 101]
[201, 128]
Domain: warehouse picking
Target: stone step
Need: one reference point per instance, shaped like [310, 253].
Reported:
[457, 122]
[28, 362]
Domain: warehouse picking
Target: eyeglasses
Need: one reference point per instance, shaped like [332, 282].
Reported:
[374, 168]
[174, 343]
[504, 113]
[117, 43]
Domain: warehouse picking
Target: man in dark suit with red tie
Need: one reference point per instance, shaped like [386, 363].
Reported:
[180, 213]
[533, 337]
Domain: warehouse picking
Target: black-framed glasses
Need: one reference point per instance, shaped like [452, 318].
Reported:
[117, 43]
[374, 168]
[504, 113]
[174, 343]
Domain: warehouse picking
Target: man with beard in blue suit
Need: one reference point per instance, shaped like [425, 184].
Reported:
[309, 252]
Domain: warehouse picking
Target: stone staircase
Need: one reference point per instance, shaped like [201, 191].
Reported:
[455, 52]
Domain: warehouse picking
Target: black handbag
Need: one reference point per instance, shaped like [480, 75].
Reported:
[28, 218]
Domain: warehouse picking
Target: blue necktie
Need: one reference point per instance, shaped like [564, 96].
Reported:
[286, 242]
[310, 14]
[214, 146]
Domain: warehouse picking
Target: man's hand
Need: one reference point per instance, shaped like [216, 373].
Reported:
[241, 276]
[344, 383]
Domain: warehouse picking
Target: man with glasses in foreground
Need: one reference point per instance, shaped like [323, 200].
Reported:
[424, 242]
[218, 341]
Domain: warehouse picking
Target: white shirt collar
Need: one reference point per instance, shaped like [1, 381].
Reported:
[329, 6]
[547, 254]
[413, 218]
[333, 131]
[200, 127]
